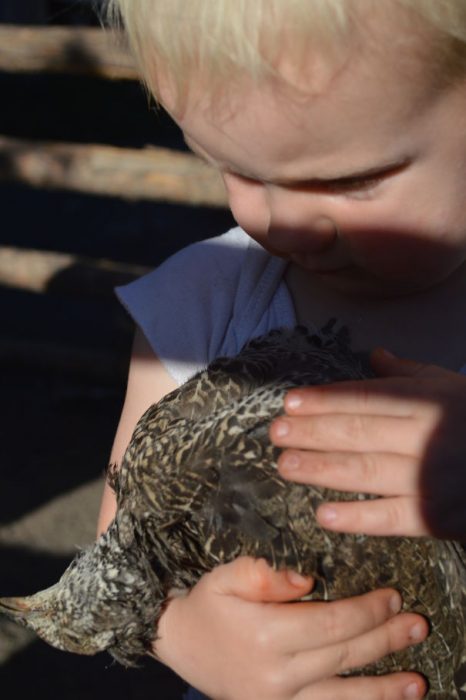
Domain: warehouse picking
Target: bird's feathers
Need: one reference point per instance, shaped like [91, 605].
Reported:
[198, 486]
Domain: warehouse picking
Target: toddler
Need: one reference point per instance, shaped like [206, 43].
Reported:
[339, 129]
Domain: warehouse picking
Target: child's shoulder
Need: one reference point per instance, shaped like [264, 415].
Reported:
[213, 264]
[208, 299]
[226, 250]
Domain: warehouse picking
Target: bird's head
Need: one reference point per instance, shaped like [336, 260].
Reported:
[107, 599]
[56, 624]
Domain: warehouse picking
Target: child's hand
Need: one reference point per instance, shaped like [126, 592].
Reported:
[234, 637]
[401, 436]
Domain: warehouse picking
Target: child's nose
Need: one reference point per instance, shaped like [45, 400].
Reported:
[313, 236]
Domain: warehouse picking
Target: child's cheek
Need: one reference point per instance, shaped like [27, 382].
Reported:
[396, 254]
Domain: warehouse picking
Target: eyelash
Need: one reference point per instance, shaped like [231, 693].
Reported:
[362, 189]
[353, 189]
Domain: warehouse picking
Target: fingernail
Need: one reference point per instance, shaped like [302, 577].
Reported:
[293, 401]
[290, 461]
[395, 604]
[327, 514]
[281, 428]
[416, 633]
[411, 691]
[297, 579]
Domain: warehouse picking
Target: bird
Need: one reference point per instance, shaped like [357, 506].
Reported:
[198, 487]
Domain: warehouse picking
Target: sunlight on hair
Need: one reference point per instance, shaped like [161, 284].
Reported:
[220, 39]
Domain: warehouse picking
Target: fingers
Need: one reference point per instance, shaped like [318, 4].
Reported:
[384, 516]
[382, 396]
[231, 647]
[396, 686]
[351, 432]
[381, 473]
[336, 621]
[397, 633]
[254, 580]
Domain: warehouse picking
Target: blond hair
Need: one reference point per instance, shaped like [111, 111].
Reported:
[221, 39]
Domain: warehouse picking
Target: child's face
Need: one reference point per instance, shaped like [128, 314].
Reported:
[362, 181]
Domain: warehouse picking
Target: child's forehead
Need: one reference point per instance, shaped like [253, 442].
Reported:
[369, 28]
[386, 49]
[370, 72]
[363, 110]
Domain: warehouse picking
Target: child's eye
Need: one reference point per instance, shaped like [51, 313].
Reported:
[358, 184]
[354, 188]
[362, 186]
[357, 188]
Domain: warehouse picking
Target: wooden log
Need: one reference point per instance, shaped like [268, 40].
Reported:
[42, 271]
[78, 50]
[146, 174]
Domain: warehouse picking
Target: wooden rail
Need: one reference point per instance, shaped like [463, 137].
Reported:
[146, 174]
[151, 173]
[84, 51]
[79, 277]
[42, 271]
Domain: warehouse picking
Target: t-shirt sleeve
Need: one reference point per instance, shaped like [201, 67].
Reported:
[208, 300]
[184, 307]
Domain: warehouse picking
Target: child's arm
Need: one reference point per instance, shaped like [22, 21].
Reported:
[401, 436]
[235, 637]
[148, 382]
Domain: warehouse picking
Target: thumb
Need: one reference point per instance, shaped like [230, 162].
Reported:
[256, 581]
[385, 364]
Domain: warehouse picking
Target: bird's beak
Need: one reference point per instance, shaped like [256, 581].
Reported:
[14, 607]
[37, 613]
[20, 608]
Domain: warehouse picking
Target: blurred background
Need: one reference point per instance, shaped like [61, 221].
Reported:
[96, 186]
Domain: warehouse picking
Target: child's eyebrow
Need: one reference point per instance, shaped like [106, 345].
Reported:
[377, 172]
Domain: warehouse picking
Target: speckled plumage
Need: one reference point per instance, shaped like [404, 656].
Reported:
[198, 486]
